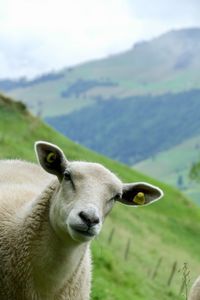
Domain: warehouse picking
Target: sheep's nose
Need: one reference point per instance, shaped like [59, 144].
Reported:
[89, 219]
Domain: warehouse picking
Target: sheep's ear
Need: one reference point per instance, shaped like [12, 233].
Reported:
[140, 193]
[51, 158]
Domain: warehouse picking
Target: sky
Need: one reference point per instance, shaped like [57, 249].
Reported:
[39, 36]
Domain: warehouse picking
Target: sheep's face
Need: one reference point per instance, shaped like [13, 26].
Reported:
[86, 194]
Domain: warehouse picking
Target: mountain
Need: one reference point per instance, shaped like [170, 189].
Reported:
[134, 100]
[166, 232]
[168, 63]
[135, 128]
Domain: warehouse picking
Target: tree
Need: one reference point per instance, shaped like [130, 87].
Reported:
[194, 173]
[180, 181]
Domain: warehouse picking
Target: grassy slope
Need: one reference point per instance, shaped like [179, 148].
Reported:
[168, 165]
[168, 229]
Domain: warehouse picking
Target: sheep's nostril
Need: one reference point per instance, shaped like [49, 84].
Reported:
[90, 220]
[96, 220]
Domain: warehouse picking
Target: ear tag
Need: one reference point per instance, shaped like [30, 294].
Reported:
[139, 198]
[51, 157]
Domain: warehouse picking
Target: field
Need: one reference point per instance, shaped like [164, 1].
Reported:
[167, 231]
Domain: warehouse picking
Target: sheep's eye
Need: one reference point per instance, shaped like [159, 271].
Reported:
[67, 176]
[117, 196]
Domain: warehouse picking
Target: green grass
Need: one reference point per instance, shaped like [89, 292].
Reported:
[168, 229]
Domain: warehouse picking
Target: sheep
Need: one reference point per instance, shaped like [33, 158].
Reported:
[195, 290]
[49, 214]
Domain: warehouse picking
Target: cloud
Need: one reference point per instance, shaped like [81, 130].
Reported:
[168, 10]
[37, 36]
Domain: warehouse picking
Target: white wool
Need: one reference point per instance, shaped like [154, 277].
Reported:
[24, 229]
[195, 290]
[47, 223]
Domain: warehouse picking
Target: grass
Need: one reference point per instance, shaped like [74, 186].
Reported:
[173, 163]
[168, 229]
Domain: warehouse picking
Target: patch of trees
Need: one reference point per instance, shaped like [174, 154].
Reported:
[81, 86]
[135, 128]
[9, 84]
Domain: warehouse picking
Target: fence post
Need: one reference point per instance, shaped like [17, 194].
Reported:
[174, 267]
[157, 268]
[111, 236]
[127, 249]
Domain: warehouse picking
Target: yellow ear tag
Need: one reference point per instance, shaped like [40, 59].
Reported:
[139, 198]
[51, 157]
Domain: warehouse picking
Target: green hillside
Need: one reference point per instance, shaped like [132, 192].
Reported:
[135, 128]
[168, 63]
[168, 230]
[173, 166]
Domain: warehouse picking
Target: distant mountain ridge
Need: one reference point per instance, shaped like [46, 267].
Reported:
[153, 80]
[168, 63]
[11, 84]
[135, 128]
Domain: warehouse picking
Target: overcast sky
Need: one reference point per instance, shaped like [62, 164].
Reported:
[38, 36]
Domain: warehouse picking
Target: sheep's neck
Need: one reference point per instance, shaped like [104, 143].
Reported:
[53, 262]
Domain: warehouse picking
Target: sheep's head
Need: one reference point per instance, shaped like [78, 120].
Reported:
[87, 193]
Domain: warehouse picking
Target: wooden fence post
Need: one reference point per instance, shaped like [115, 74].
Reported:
[127, 249]
[111, 235]
[157, 268]
[174, 267]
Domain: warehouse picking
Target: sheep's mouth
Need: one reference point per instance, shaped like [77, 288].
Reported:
[86, 233]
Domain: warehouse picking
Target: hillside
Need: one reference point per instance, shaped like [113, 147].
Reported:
[135, 128]
[168, 63]
[168, 229]
[173, 166]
